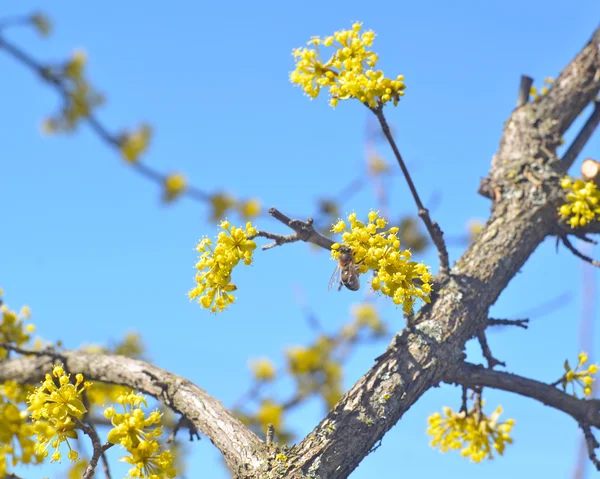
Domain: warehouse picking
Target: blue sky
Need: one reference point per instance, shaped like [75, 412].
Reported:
[87, 244]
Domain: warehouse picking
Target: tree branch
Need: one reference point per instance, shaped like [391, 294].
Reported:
[582, 138]
[524, 90]
[585, 411]
[435, 232]
[241, 448]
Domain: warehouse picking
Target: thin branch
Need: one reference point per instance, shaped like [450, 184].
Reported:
[524, 90]
[99, 449]
[487, 352]
[304, 231]
[471, 375]
[582, 138]
[112, 140]
[90, 423]
[435, 232]
[521, 323]
[578, 253]
[592, 445]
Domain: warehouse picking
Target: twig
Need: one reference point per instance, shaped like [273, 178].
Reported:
[463, 402]
[578, 253]
[270, 434]
[435, 232]
[112, 140]
[105, 464]
[582, 138]
[49, 351]
[487, 353]
[524, 90]
[592, 444]
[521, 323]
[99, 449]
[304, 231]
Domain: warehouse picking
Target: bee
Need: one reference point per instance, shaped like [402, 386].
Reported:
[346, 272]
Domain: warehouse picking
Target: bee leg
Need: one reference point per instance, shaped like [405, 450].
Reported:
[340, 286]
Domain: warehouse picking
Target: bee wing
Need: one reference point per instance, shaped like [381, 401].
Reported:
[335, 277]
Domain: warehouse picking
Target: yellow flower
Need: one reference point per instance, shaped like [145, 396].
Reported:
[270, 413]
[366, 314]
[395, 276]
[377, 165]
[175, 185]
[249, 209]
[579, 377]
[134, 144]
[12, 328]
[215, 266]
[476, 435]
[582, 205]
[263, 369]
[42, 24]
[349, 72]
[55, 410]
[221, 204]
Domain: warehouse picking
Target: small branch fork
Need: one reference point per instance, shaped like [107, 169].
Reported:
[487, 352]
[578, 253]
[304, 231]
[435, 232]
[99, 449]
[592, 444]
[582, 138]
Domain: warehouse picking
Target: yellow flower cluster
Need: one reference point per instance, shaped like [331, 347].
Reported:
[395, 275]
[175, 185]
[270, 412]
[349, 72]
[365, 316]
[81, 98]
[223, 203]
[582, 202]
[56, 410]
[13, 328]
[548, 82]
[216, 264]
[263, 369]
[135, 143]
[15, 432]
[476, 435]
[41, 23]
[581, 377]
[138, 435]
[315, 369]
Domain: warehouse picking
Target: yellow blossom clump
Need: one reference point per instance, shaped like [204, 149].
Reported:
[263, 369]
[366, 315]
[582, 202]
[533, 91]
[315, 369]
[138, 434]
[249, 209]
[80, 98]
[216, 265]
[13, 329]
[476, 435]
[270, 412]
[377, 165]
[174, 186]
[579, 376]
[41, 23]
[15, 431]
[348, 73]
[56, 410]
[221, 203]
[374, 249]
[135, 143]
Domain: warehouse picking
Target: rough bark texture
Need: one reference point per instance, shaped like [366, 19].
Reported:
[241, 448]
[523, 183]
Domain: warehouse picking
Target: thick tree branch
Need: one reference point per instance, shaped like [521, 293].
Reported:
[586, 411]
[241, 448]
